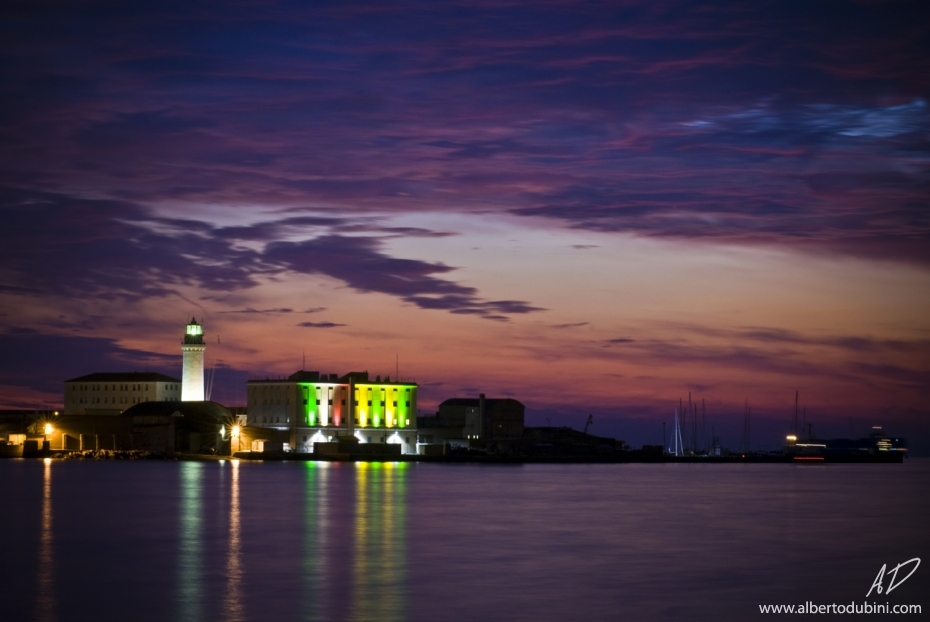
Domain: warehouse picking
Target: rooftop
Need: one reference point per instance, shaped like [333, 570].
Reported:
[125, 376]
[359, 377]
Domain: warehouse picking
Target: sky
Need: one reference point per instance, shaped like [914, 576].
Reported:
[593, 207]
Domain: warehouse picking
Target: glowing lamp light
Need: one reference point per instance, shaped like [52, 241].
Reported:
[792, 437]
[235, 431]
[48, 428]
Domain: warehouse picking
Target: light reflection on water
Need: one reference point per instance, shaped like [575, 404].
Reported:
[315, 585]
[381, 541]
[380, 577]
[45, 601]
[232, 605]
[190, 596]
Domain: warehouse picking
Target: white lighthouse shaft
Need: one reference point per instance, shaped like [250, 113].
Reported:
[192, 374]
[192, 349]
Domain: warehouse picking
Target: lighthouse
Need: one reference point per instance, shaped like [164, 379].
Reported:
[192, 373]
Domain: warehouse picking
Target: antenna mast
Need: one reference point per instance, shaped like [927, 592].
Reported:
[676, 437]
[703, 424]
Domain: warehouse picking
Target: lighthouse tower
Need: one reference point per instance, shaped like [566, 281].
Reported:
[192, 373]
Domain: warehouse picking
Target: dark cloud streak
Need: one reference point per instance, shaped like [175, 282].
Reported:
[110, 249]
[778, 122]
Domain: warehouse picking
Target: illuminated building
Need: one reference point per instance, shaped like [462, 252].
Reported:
[316, 408]
[112, 393]
[192, 368]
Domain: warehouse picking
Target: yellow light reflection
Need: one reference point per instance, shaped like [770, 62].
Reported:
[233, 603]
[45, 602]
[380, 565]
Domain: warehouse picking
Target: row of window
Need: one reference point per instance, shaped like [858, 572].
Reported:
[115, 400]
[394, 403]
[123, 387]
[119, 400]
[275, 419]
[266, 402]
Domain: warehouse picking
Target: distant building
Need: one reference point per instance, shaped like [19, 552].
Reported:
[464, 420]
[112, 393]
[484, 419]
[192, 349]
[317, 408]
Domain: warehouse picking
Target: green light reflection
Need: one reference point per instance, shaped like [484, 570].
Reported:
[315, 586]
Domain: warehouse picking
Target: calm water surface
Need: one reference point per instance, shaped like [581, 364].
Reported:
[318, 541]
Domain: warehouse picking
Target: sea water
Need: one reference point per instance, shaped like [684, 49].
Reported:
[237, 540]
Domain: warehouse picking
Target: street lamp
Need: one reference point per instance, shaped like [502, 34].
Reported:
[235, 434]
[48, 432]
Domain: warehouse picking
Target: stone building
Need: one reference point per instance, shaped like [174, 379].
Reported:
[112, 393]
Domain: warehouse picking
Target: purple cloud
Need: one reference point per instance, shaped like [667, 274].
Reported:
[755, 124]
[117, 249]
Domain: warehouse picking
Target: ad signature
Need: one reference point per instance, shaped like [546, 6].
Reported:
[893, 582]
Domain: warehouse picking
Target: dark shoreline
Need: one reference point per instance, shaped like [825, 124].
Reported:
[632, 457]
[629, 459]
